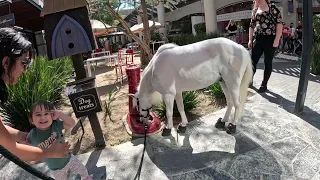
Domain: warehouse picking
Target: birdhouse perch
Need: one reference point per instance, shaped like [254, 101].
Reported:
[67, 28]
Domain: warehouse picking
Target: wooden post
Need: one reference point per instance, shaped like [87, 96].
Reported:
[306, 54]
[78, 65]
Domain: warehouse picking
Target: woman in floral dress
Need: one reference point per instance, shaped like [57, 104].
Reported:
[264, 35]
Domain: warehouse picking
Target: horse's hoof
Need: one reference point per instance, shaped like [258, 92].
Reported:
[182, 129]
[166, 132]
[220, 124]
[231, 129]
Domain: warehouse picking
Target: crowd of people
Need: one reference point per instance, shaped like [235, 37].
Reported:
[291, 41]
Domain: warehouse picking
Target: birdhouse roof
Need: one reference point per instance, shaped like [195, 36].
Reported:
[54, 6]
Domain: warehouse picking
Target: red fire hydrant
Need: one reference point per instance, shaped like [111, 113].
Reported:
[133, 117]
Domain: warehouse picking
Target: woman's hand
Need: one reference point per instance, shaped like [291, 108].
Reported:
[58, 150]
[250, 44]
[276, 43]
[56, 114]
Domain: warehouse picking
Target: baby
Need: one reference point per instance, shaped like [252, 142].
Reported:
[48, 124]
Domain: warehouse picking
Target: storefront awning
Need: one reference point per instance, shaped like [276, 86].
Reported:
[26, 14]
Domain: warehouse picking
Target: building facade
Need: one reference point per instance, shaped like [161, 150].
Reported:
[226, 10]
[24, 16]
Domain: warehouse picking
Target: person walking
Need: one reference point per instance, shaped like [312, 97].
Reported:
[264, 35]
[232, 30]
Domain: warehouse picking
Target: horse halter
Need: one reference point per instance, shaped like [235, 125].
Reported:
[147, 110]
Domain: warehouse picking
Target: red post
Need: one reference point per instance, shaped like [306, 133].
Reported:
[133, 74]
[133, 117]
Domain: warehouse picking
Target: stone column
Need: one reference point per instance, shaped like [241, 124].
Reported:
[161, 18]
[196, 20]
[139, 20]
[210, 15]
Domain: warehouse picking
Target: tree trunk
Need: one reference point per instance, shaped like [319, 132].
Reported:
[144, 47]
[145, 56]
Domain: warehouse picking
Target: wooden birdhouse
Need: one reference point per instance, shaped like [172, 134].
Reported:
[67, 28]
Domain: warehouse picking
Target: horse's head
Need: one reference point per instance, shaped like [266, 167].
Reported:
[144, 103]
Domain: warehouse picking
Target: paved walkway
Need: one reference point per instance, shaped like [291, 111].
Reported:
[271, 143]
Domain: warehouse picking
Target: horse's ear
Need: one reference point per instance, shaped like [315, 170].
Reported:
[156, 98]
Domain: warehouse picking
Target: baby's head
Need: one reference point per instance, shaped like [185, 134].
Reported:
[41, 115]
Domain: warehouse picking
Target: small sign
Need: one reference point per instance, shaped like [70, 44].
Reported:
[7, 20]
[85, 102]
[290, 6]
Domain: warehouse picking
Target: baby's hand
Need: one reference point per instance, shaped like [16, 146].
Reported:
[56, 114]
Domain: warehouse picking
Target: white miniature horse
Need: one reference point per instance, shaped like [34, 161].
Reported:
[174, 69]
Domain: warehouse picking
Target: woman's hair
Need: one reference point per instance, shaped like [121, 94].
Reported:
[13, 45]
[42, 104]
[255, 5]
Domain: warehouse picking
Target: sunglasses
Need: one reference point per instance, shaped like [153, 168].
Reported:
[27, 63]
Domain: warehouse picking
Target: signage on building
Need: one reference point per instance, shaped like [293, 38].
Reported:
[236, 16]
[290, 6]
[7, 20]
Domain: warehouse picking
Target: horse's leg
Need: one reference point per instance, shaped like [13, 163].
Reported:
[169, 100]
[221, 121]
[235, 97]
[184, 120]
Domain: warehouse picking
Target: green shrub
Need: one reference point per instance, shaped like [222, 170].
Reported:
[190, 101]
[315, 59]
[185, 39]
[215, 91]
[200, 28]
[45, 80]
[155, 36]
[108, 104]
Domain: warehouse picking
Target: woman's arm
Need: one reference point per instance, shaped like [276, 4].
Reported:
[250, 34]
[227, 27]
[252, 25]
[279, 24]
[30, 153]
[17, 135]
[278, 32]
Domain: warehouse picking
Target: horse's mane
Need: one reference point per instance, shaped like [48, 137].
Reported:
[165, 47]
[156, 97]
[160, 50]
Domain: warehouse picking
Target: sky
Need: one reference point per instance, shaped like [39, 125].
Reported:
[126, 6]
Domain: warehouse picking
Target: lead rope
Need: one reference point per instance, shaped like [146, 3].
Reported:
[23, 165]
[144, 150]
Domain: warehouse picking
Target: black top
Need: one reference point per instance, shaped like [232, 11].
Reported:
[232, 28]
[299, 33]
[265, 23]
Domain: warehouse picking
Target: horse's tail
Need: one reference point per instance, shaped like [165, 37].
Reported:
[245, 82]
